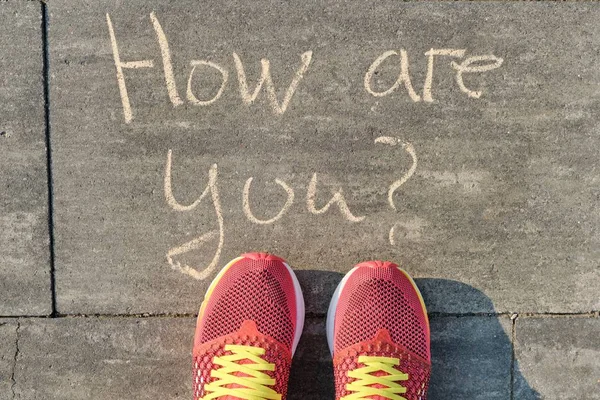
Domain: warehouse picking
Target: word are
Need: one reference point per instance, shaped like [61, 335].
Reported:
[212, 190]
[474, 64]
[469, 65]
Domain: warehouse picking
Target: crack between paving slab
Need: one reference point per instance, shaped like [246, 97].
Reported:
[470, 314]
[513, 338]
[593, 314]
[141, 315]
[14, 366]
[46, 85]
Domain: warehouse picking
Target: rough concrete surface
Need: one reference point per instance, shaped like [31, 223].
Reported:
[312, 369]
[24, 253]
[503, 196]
[8, 352]
[459, 139]
[468, 351]
[118, 358]
[560, 357]
[111, 359]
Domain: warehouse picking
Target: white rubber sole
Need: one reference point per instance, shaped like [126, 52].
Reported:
[300, 307]
[336, 296]
[330, 325]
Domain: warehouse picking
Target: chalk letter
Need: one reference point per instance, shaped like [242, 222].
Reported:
[190, 94]
[246, 203]
[465, 66]
[403, 77]
[120, 65]
[429, 78]
[392, 141]
[265, 77]
[166, 59]
[338, 198]
[198, 242]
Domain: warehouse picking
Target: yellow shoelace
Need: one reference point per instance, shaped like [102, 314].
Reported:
[253, 386]
[363, 385]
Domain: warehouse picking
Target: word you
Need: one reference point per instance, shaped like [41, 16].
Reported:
[469, 65]
[219, 234]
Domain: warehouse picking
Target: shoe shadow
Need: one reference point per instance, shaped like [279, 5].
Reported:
[472, 355]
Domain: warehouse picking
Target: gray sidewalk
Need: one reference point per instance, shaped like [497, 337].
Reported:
[136, 158]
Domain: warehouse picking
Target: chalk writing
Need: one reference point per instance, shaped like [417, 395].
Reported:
[246, 203]
[247, 96]
[392, 234]
[427, 96]
[338, 198]
[403, 77]
[265, 77]
[219, 234]
[392, 141]
[198, 242]
[249, 93]
[166, 59]
[470, 65]
[465, 66]
[475, 64]
[120, 65]
[190, 95]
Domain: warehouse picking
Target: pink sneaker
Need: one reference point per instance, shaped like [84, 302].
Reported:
[378, 334]
[247, 331]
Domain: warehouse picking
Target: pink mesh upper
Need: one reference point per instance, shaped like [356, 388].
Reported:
[275, 353]
[418, 369]
[252, 304]
[257, 288]
[379, 296]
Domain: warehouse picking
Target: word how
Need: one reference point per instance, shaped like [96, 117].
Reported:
[248, 96]
[212, 190]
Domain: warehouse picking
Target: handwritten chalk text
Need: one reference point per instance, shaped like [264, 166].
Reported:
[248, 95]
[219, 234]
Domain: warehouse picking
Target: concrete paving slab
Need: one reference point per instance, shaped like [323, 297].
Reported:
[24, 253]
[466, 351]
[8, 351]
[490, 159]
[312, 368]
[471, 358]
[115, 358]
[559, 357]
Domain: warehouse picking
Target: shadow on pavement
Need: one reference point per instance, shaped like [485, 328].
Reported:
[471, 355]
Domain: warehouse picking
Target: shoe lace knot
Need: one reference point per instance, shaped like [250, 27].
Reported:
[377, 377]
[241, 375]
